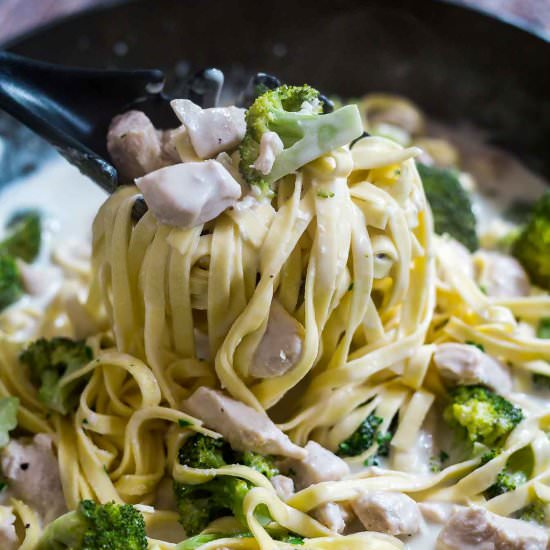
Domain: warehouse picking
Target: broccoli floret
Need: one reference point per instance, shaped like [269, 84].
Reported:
[294, 114]
[49, 361]
[11, 286]
[533, 513]
[532, 247]
[96, 527]
[482, 415]
[362, 438]
[506, 481]
[200, 504]
[24, 236]
[8, 418]
[450, 204]
[543, 328]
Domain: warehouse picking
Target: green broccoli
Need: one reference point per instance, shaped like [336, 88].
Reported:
[49, 361]
[11, 286]
[96, 527]
[482, 415]
[542, 381]
[533, 513]
[294, 114]
[24, 236]
[450, 204]
[506, 481]
[200, 504]
[532, 247]
[8, 418]
[362, 438]
[197, 541]
[543, 328]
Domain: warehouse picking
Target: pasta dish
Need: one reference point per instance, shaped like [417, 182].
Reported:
[296, 327]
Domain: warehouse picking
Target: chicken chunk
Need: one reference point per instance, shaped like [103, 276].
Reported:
[280, 348]
[211, 130]
[244, 428]
[189, 194]
[134, 144]
[388, 512]
[319, 465]
[32, 473]
[468, 365]
[502, 276]
[332, 515]
[474, 528]
[8, 535]
[176, 147]
[283, 485]
[270, 146]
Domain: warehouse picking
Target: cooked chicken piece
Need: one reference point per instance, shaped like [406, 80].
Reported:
[211, 130]
[332, 515]
[438, 512]
[270, 146]
[280, 348]
[475, 528]
[283, 485]
[468, 365]
[501, 276]
[134, 144]
[244, 428]
[319, 465]
[189, 194]
[32, 473]
[8, 536]
[388, 512]
[462, 256]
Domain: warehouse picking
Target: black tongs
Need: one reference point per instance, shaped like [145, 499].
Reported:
[71, 108]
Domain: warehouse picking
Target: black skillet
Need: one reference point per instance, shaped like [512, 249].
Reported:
[457, 64]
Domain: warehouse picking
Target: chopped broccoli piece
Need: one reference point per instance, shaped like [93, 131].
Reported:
[533, 513]
[541, 381]
[480, 347]
[8, 418]
[294, 113]
[24, 236]
[49, 361]
[436, 462]
[532, 247]
[197, 541]
[297, 540]
[543, 329]
[482, 415]
[362, 438]
[384, 441]
[200, 504]
[450, 204]
[11, 287]
[506, 481]
[96, 527]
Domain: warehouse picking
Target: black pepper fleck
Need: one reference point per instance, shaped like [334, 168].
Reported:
[25, 466]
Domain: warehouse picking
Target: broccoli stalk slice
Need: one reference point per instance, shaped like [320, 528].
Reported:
[318, 135]
[96, 527]
[11, 286]
[306, 134]
[49, 363]
[532, 247]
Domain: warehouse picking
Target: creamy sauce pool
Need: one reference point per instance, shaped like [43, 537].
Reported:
[69, 202]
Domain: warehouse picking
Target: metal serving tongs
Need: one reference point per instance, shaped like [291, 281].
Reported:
[71, 108]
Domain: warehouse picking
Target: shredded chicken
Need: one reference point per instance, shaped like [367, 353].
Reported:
[32, 473]
[319, 465]
[244, 428]
[466, 364]
[475, 528]
[189, 194]
[134, 144]
[280, 348]
[388, 512]
[211, 130]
